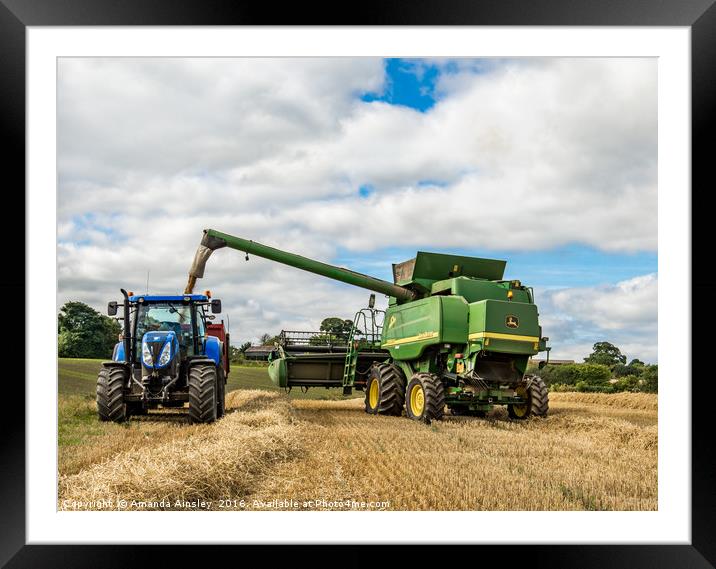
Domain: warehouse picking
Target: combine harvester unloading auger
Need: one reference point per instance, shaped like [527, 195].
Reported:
[454, 333]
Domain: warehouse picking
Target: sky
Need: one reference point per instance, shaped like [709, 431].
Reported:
[549, 164]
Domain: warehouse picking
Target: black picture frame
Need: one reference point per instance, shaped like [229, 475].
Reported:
[699, 15]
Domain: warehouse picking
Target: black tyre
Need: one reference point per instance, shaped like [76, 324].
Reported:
[534, 390]
[110, 394]
[202, 394]
[221, 393]
[425, 398]
[385, 390]
[539, 395]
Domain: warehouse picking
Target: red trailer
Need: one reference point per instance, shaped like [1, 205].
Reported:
[219, 331]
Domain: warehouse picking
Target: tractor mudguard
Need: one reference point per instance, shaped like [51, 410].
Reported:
[109, 364]
[118, 353]
[212, 349]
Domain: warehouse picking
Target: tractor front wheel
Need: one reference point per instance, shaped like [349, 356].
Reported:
[110, 394]
[202, 394]
[425, 398]
[534, 390]
[385, 390]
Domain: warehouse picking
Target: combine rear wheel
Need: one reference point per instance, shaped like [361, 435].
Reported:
[202, 394]
[110, 394]
[534, 391]
[425, 398]
[385, 390]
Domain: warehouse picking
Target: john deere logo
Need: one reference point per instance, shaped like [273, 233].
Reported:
[512, 321]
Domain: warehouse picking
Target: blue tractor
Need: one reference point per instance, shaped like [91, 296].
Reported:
[169, 354]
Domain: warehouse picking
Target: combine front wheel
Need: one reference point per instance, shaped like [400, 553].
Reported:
[385, 390]
[425, 398]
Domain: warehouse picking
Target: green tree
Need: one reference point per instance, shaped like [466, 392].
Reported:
[621, 370]
[572, 374]
[267, 340]
[85, 333]
[337, 326]
[650, 379]
[606, 354]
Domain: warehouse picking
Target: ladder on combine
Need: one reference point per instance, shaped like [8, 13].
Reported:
[369, 336]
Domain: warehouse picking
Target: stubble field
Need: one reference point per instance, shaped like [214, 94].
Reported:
[278, 451]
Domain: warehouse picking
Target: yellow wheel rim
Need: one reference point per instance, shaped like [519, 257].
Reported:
[373, 393]
[521, 410]
[417, 400]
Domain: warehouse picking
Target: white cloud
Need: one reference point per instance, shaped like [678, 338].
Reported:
[515, 155]
[624, 314]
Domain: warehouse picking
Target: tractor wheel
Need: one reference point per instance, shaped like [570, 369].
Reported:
[221, 393]
[385, 390]
[425, 398]
[534, 390]
[202, 394]
[110, 394]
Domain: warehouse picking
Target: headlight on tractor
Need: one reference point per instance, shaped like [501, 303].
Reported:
[147, 355]
[165, 356]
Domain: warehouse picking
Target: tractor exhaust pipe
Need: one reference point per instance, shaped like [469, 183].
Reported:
[126, 333]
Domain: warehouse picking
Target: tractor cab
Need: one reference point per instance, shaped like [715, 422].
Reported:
[168, 344]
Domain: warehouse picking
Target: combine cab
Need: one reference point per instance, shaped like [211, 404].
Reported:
[169, 355]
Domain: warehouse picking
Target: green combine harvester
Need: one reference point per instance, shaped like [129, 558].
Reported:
[454, 334]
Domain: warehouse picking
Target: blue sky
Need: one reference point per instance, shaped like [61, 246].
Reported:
[549, 164]
[410, 83]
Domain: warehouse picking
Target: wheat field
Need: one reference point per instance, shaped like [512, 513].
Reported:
[593, 452]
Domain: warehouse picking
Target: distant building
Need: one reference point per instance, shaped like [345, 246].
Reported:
[258, 353]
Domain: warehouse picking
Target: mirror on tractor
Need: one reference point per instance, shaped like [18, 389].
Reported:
[541, 364]
[215, 306]
[371, 301]
[112, 308]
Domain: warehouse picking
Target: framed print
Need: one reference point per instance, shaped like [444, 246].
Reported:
[407, 279]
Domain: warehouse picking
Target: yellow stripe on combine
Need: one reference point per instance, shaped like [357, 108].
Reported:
[498, 336]
[418, 338]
